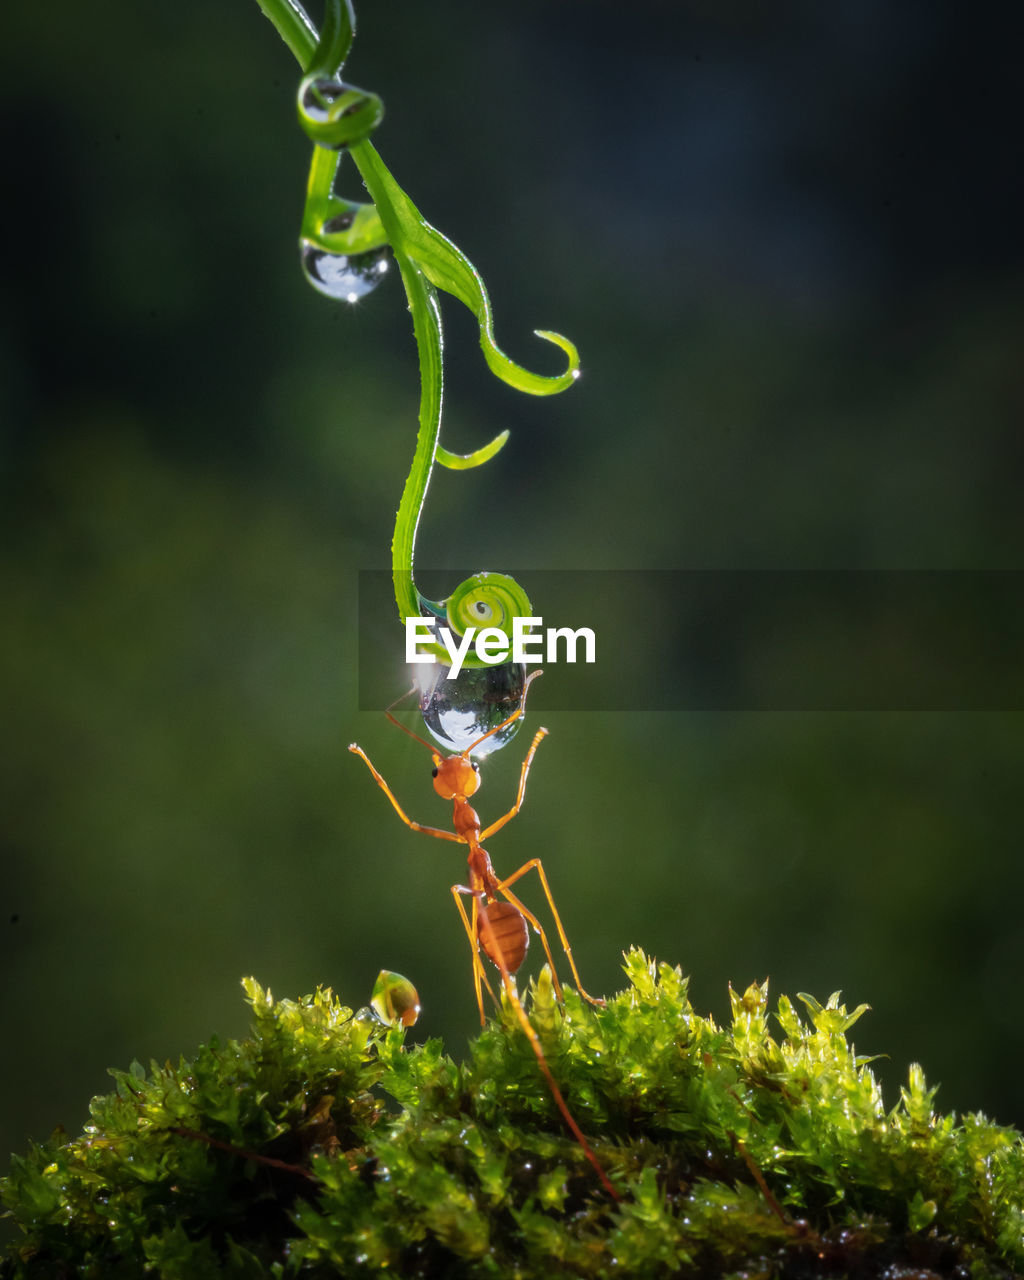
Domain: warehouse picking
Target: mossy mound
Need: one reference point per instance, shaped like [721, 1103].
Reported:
[734, 1153]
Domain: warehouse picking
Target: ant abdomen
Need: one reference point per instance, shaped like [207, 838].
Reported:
[506, 941]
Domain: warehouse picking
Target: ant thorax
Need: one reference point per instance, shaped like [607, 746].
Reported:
[466, 821]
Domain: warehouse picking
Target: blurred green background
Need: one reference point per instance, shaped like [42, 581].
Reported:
[787, 242]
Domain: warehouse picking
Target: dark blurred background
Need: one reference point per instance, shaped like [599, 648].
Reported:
[787, 242]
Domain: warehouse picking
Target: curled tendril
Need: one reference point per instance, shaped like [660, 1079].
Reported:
[338, 118]
[334, 113]
[487, 600]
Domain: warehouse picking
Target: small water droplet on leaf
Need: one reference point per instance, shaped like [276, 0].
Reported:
[347, 277]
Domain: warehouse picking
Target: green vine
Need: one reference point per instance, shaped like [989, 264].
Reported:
[338, 117]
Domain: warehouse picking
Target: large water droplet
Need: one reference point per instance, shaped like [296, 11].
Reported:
[342, 275]
[458, 712]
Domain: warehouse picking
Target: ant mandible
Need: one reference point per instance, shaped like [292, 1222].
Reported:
[497, 919]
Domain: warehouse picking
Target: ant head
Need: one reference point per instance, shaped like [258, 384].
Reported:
[455, 776]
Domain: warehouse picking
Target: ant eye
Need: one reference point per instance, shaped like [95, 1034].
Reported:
[476, 767]
[433, 773]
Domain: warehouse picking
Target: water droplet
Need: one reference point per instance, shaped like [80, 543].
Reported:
[458, 712]
[318, 94]
[340, 222]
[348, 277]
[395, 1000]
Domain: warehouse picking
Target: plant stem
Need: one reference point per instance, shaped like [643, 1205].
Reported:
[294, 27]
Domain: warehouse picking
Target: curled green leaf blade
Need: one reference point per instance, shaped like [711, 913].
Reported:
[463, 461]
[447, 268]
[334, 114]
[332, 223]
[331, 112]
[487, 599]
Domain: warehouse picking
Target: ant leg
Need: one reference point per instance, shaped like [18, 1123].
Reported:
[519, 711]
[529, 1030]
[416, 826]
[496, 826]
[535, 864]
[479, 975]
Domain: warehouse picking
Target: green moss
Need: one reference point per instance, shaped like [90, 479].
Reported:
[321, 1146]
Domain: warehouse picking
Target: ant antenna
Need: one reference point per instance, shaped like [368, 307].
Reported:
[398, 724]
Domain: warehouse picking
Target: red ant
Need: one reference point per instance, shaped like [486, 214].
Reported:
[499, 927]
